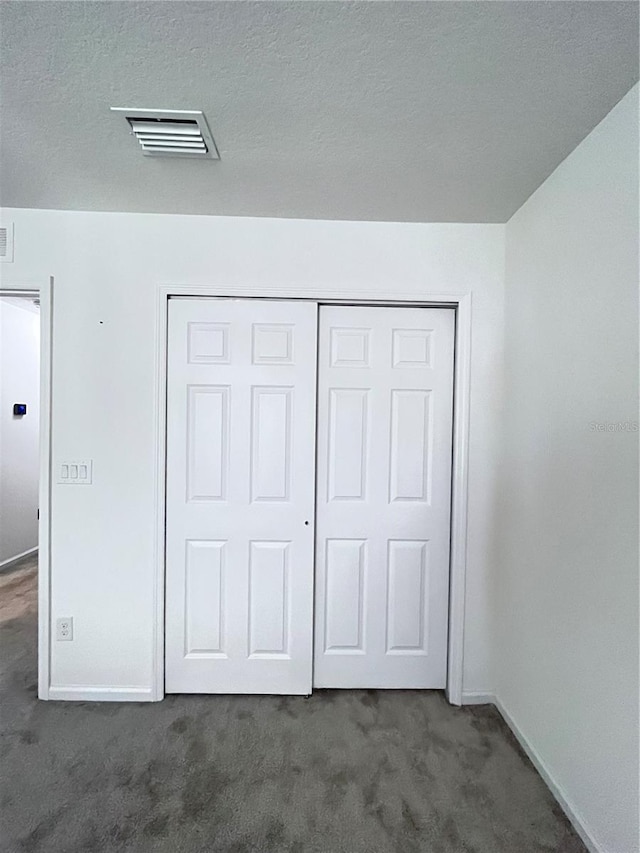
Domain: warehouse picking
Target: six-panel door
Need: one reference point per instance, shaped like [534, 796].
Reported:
[385, 389]
[241, 425]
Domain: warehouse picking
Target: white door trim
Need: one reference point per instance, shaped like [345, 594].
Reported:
[44, 291]
[459, 485]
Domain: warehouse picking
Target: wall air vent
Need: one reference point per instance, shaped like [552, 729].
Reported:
[6, 243]
[170, 133]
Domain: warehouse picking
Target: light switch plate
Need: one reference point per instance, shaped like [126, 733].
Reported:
[76, 473]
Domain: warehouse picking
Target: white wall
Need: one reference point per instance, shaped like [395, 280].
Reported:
[567, 522]
[19, 451]
[107, 268]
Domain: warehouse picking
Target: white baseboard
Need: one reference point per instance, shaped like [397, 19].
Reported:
[85, 693]
[576, 820]
[6, 563]
[471, 697]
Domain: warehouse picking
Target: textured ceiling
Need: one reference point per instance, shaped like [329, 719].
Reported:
[400, 111]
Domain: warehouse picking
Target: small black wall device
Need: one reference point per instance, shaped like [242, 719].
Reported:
[20, 409]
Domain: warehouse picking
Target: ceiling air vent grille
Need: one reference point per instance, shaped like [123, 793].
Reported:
[170, 133]
[6, 243]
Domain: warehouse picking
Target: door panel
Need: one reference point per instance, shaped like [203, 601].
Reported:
[407, 597]
[207, 442]
[345, 567]
[270, 443]
[347, 451]
[204, 606]
[240, 496]
[384, 471]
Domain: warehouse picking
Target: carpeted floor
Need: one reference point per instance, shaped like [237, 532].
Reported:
[352, 771]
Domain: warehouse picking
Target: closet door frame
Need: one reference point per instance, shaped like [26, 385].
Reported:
[459, 476]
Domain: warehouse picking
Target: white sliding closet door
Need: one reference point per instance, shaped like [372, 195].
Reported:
[241, 420]
[385, 393]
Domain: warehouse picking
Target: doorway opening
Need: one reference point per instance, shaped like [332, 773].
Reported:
[19, 478]
[25, 481]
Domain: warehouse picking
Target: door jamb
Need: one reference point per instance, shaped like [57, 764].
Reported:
[460, 461]
[43, 290]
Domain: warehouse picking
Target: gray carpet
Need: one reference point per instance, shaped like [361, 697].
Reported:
[352, 771]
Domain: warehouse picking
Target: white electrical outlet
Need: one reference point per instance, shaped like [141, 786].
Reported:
[64, 628]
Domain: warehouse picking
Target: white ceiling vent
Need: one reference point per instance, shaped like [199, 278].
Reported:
[171, 133]
[6, 243]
